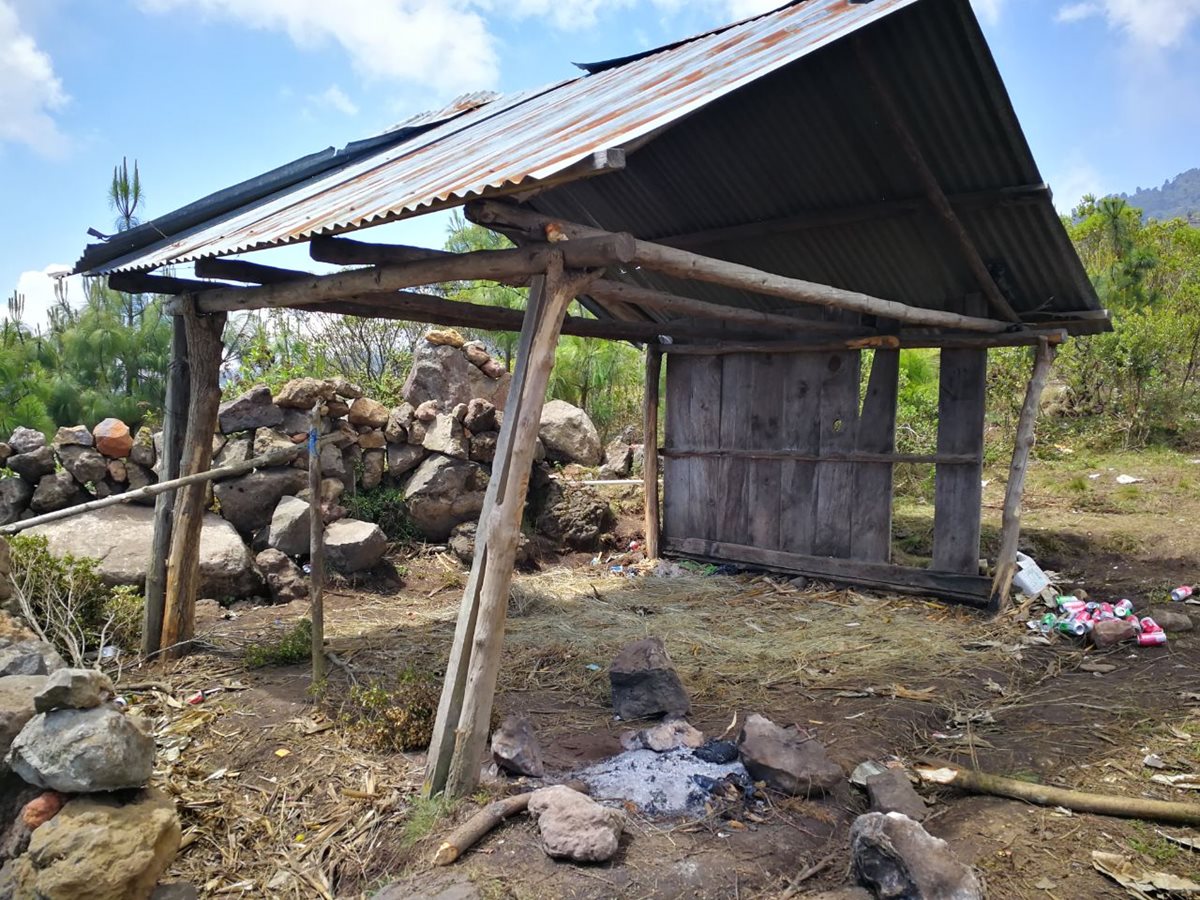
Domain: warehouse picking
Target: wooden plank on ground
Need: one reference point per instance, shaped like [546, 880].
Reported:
[872, 516]
[958, 492]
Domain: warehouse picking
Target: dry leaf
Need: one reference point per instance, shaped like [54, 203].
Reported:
[1140, 883]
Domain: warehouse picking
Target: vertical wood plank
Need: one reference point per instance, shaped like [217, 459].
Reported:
[729, 493]
[872, 514]
[316, 548]
[650, 451]
[838, 427]
[766, 413]
[958, 491]
[693, 421]
[800, 431]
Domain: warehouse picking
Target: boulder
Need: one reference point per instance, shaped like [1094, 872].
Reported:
[120, 537]
[336, 408]
[574, 826]
[891, 791]
[73, 436]
[402, 458]
[249, 411]
[116, 471]
[427, 411]
[515, 748]
[373, 464]
[285, 580]
[462, 544]
[143, 452]
[445, 435]
[15, 494]
[365, 411]
[331, 491]
[444, 373]
[352, 545]
[267, 440]
[57, 491]
[73, 689]
[34, 465]
[483, 446]
[288, 531]
[645, 683]
[80, 751]
[29, 657]
[480, 416]
[1171, 619]
[249, 500]
[299, 421]
[236, 450]
[99, 848]
[445, 336]
[443, 492]
[786, 760]
[618, 459]
[573, 515]
[895, 858]
[416, 432]
[113, 438]
[569, 434]
[17, 693]
[399, 418]
[476, 353]
[303, 393]
[333, 463]
[344, 387]
[1110, 632]
[372, 439]
[84, 463]
[26, 440]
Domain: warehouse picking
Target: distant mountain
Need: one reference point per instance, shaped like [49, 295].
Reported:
[1177, 198]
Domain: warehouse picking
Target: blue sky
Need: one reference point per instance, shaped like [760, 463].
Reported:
[204, 93]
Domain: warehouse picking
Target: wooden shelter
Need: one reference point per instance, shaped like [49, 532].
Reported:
[760, 205]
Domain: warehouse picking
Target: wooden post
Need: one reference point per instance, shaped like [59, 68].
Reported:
[650, 449]
[183, 564]
[460, 731]
[174, 423]
[1010, 529]
[316, 548]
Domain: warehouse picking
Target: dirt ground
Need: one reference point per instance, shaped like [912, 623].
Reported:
[282, 796]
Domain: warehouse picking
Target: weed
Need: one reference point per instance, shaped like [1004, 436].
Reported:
[294, 646]
[1156, 848]
[124, 608]
[1078, 485]
[386, 508]
[395, 720]
[423, 817]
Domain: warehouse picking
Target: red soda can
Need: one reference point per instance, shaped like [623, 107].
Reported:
[1181, 593]
[1152, 638]
[1149, 625]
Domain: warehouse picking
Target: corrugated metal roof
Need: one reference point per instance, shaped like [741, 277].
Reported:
[762, 127]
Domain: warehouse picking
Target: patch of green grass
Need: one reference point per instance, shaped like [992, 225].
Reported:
[1155, 847]
[423, 816]
[1078, 485]
[386, 508]
[294, 646]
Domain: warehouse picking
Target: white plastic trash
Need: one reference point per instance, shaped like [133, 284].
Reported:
[1030, 580]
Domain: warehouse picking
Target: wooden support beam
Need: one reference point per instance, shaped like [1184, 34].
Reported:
[880, 342]
[242, 270]
[856, 456]
[690, 266]
[144, 283]
[316, 549]
[183, 564]
[1010, 528]
[487, 265]
[460, 730]
[933, 190]
[849, 215]
[650, 449]
[346, 252]
[175, 410]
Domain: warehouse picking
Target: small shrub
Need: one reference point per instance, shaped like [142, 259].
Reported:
[395, 720]
[294, 646]
[386, 508]
[123, 609]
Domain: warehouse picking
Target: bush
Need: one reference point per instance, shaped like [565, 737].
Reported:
[123, 609]
[293, 646]
[386, 508]
[396, 720]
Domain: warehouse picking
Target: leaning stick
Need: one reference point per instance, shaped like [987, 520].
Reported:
[1079, 801]
[470, 832]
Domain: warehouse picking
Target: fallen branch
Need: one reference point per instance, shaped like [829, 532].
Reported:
[468, 834]
[1079, 801]
[815, 869]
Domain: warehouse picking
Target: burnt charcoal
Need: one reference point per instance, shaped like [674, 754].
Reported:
[719, 752]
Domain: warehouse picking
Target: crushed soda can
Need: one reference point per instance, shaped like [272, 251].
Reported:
[1181, 593]
[1122, 608]
[1151, 634]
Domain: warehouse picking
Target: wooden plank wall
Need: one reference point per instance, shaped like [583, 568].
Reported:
[958, 490]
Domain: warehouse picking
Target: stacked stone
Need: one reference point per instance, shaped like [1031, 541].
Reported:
[77, 817]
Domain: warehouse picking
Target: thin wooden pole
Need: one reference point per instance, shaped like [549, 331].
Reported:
[183, 564]
[174, 425]
[1010, 529]
[316, 549]
[650, 451]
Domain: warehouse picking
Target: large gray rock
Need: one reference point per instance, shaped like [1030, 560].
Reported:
[236, 450]
[897, 859]
[80, 751]
[26, 440]
[249, 500]
[399, 418]
[569, 434]
[618, 459]
[786, 760]
[445, 435]
[143, 451]
[268, 440]
[253, 409]
[462, 544]
[373, 464]
[15, 494]
[285, 580]
[403, 458]
[303, 393]
[57, 491]
[644, 682]
[443, 492]
[481, 416]
[73, 689]
[120, 537]
[573, 515]
[73, 436]
[17, 693]
[289, 531]
[34, 465]
[352, 545]
[515, 748]
[443, 373]
[574, 826]
[29, 657]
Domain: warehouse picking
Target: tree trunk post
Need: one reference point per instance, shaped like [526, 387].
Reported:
[174, 425]
[1010, 529]
[316, 549]
[464, 713]
[650, 449]
[183, 564]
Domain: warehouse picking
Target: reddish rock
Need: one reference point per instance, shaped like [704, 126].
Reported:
[1111, 632]
[42, 809]
[113, 438]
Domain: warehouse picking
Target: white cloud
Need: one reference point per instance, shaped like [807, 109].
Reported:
[30, 92]
[1075, 12]
[38, 288]
[333, 97]
[989, 10]
[444, 44]
[1075, 179]
[1150, 23]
